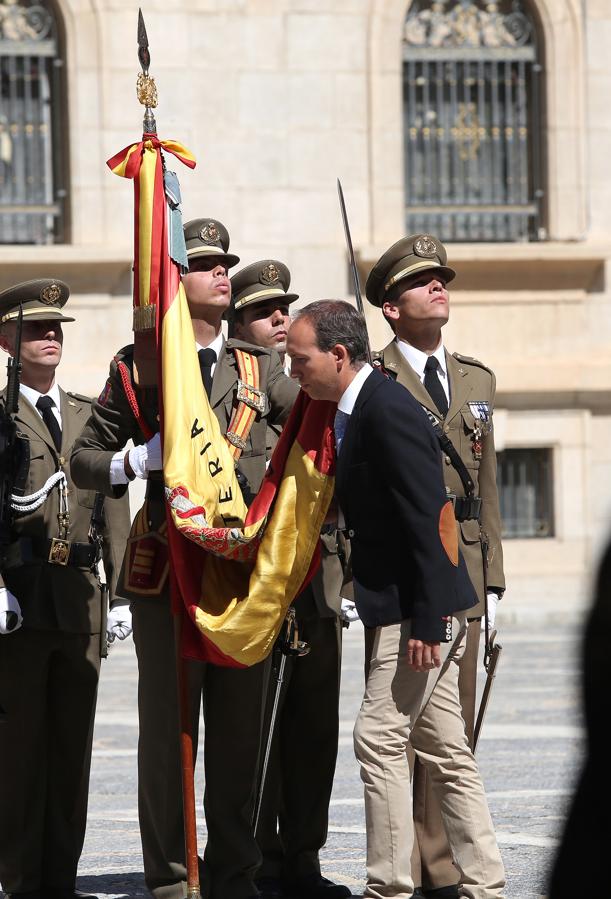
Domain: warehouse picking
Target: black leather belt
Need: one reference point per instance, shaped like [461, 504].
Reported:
[155, 490]
[53, 550]
[466, 508]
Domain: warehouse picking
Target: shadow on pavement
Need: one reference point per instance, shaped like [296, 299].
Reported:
[114, 886]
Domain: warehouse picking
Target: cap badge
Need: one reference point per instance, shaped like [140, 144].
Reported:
[425, 246]
[50, 295]
[270, 274]
[210, 233]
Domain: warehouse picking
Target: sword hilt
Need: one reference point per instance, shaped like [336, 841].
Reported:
[291, 645]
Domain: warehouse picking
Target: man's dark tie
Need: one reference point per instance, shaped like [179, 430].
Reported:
[339, 426]
[45, 404]
[433, 384]
[207, 358]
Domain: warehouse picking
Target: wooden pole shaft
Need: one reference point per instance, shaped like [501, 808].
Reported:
[187, 767]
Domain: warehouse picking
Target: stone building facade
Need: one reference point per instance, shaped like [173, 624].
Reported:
[279, 98]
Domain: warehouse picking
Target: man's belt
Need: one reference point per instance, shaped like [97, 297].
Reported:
[466, 508]
[53, 550]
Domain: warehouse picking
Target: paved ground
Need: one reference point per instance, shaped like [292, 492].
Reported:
[528, 755]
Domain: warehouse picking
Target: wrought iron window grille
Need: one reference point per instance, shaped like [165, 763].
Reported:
[472, 121]
[32, 195]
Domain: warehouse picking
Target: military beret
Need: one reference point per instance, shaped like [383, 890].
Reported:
[407, 257]
[40, 299]
[261, 281]
[208, 237]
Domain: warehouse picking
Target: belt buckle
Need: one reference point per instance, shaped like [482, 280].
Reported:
[235, 440]
[244, 395]
[59, 551]
[452, 498]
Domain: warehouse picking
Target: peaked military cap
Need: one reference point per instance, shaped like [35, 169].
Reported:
[208, 237]
[40, 299]
[261, 281]
[407, 257]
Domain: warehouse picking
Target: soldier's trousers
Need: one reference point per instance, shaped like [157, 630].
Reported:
[295, 811]
[432, 864]
[48, 688]
[232, 702]
[402, 705]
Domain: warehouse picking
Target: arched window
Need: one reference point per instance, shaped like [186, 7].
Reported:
[31, 107]
[472, 120]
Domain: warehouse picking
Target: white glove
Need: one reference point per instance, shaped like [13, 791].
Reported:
[146, 457]
[9, 607]
[118, 623]
[348, 611]
[493, 601]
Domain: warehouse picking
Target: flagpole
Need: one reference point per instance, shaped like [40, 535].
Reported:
[147, 94]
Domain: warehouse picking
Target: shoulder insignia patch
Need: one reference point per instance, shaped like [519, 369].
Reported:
[103, 397]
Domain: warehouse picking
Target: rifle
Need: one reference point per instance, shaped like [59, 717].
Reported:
[12, 456]
[13, 449]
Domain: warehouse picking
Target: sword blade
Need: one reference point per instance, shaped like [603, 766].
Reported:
[495, 655]
[352, 261]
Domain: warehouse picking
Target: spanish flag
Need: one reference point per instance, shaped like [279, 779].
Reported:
[234, 570]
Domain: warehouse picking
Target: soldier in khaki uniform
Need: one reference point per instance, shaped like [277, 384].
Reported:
[52, 616]
[294, 815]
[232, 698]
[409, 284]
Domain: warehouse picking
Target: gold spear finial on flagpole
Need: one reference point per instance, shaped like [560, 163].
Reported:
[146, 88]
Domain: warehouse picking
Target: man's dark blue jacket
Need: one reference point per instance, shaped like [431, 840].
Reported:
[405, 559]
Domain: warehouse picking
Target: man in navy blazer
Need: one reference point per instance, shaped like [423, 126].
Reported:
[411, 590]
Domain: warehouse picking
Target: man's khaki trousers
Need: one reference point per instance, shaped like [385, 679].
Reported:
[402, 705]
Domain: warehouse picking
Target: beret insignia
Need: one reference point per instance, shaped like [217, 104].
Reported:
[425, 246]
[210, 233]
[50, 295]
[270, 274]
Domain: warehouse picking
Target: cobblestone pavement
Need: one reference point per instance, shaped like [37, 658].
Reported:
[529, 753]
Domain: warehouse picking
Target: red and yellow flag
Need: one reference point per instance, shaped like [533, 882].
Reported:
[234, 570]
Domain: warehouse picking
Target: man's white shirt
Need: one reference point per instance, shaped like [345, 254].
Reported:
[34, 395]
[346, 405]
[417, 360]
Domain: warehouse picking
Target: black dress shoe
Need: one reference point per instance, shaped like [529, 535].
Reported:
[270, 887]
[315, 886]
[32, 894]
[443, 892]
